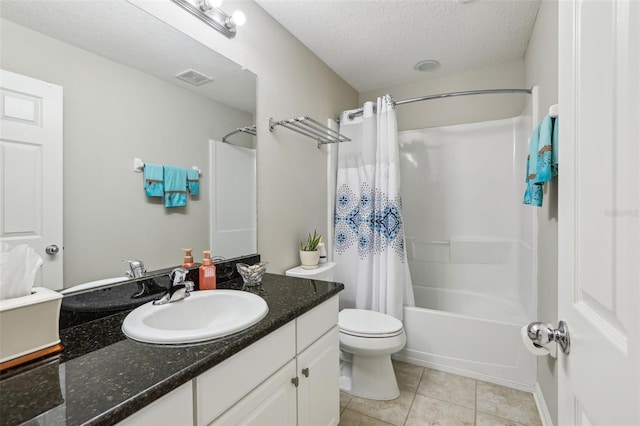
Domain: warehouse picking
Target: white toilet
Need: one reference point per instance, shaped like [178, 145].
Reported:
[367, 340]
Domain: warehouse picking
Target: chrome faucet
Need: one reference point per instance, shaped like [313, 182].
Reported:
[180, 288]
[137, 269]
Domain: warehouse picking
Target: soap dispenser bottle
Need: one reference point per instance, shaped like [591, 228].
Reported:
[188, 258]
[207, 272]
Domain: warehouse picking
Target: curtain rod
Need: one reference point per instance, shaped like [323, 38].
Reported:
[448, 95]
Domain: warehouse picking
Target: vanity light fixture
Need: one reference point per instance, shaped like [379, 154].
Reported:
[209, 12]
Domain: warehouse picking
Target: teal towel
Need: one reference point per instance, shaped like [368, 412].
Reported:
[542, 162]
[193, 177]
[175, 186]
[153, 176]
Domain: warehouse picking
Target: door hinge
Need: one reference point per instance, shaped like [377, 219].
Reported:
[295, 381]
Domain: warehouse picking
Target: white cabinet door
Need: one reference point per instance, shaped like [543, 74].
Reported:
[173, 409]
[319, 376]
[221, 387]
[271, 403]
[599, 211]
[31, 169]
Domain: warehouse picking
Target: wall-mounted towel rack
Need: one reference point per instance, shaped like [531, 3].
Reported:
[248, 129]
[309, 127]
[138, 166]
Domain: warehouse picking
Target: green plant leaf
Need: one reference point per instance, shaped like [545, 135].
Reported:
[313, 241]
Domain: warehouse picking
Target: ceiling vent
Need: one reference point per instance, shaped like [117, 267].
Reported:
[193, 77]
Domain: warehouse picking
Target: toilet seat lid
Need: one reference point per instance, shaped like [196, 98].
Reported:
[361, 322]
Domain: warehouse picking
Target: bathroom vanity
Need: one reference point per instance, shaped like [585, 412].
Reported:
[283, 370]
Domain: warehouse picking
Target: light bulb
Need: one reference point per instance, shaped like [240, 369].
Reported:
[239, 18]
[216, 3]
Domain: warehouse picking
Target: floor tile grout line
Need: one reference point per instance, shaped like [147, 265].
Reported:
[475, 405]
[374, 418]
[406, 417]
[370, 415]
[414, 396]
[444, 400]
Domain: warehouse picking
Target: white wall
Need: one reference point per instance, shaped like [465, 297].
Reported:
[459, 110]
[292, 81]
[113, 113]
[541, 67]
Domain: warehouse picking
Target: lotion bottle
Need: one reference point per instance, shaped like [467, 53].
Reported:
[187, 262]
[207, 272]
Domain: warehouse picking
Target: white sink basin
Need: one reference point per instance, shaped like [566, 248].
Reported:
[204, 315]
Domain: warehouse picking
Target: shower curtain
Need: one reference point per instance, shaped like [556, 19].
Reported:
[369, 245]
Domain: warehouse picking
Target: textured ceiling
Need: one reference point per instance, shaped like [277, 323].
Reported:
[376, 43]
[119, 31]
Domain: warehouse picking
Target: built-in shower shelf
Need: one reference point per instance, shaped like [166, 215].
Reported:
[311, 128]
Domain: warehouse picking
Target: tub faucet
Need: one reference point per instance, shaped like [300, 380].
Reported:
[180, 288]
[136, 269]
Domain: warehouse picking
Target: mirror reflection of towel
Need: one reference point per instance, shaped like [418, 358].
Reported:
[175, 186]
[153, 180]
[193, 183]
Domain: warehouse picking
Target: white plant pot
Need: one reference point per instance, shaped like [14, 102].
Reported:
[309, 259]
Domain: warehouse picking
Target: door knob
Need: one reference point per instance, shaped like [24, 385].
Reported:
[52, 249]
[541, 334]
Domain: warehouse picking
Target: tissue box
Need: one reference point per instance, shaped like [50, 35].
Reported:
[29, 327]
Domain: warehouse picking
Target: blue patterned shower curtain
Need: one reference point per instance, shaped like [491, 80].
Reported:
[369, 246]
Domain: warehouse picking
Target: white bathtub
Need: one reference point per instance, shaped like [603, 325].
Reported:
[470, 334]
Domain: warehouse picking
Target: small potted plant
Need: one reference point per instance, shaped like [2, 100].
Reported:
[309, 254]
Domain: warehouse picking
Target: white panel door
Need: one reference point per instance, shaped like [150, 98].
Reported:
[233, 200]
[599, 211]
[31, 169]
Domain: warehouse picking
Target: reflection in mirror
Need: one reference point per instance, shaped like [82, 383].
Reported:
[123, 98]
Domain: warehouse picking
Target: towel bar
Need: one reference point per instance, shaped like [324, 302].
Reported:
[138, 166]
[309, 127]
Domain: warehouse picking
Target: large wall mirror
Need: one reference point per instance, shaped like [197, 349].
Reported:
[122, 100]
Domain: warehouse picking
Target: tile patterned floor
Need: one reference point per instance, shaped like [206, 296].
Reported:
[432, 397]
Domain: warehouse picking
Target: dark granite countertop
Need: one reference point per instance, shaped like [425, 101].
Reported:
[102, 376]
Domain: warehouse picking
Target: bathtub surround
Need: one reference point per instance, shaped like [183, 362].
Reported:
[369, 246]
[470, 249]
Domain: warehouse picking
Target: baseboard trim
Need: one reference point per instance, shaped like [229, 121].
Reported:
[543, 411]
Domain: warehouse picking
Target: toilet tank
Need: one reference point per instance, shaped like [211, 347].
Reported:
[324, 272]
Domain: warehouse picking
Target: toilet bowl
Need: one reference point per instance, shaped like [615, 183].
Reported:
[367, 340]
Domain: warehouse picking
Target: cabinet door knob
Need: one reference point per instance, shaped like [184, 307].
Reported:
[295, 381]
[305, 371]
